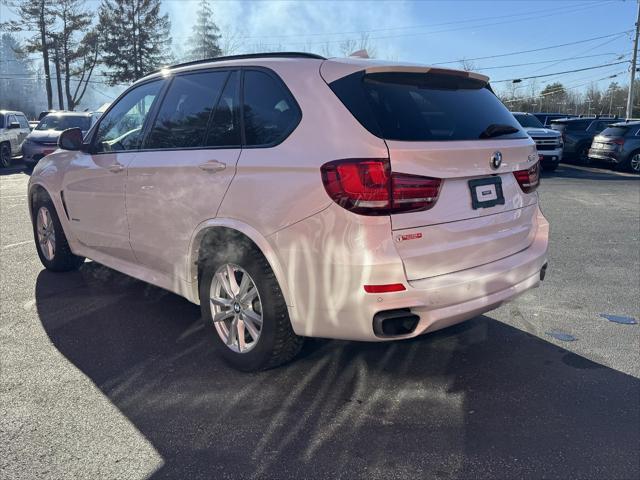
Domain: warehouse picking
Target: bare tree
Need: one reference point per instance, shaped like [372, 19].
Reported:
[231, 40]
[35, 16]
[468, 65]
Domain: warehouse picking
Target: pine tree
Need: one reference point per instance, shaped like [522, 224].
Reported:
[135, 38]
[204, 42]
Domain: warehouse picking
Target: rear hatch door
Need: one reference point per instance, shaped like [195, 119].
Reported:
[448, 125]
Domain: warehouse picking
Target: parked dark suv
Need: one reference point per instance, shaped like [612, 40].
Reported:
[546, 118]
[619, 144]
[578, 133]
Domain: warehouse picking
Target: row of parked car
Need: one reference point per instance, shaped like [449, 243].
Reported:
[34, 140]
[557, 135]
[584, 139]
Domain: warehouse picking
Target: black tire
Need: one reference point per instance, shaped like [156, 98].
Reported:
[582, 156]
[277, 343]
[63, 260]
[5, 155]
[629, 165]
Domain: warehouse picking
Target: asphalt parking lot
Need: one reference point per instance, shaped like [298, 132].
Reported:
[103, 376]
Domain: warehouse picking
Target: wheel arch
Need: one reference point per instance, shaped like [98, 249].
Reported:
[37, 190]
[217, 231]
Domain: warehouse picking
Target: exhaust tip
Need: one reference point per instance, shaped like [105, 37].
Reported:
[395, 323]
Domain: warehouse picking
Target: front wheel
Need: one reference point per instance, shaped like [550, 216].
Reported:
[633, 164]
[51, 242]
[244, 309]
[5, 155]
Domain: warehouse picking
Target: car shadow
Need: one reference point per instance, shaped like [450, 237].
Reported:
[481, 399]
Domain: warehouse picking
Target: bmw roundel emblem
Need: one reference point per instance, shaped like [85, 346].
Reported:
[496, 160]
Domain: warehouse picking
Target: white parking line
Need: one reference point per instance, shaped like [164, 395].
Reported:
[4, 247]
[600, 170]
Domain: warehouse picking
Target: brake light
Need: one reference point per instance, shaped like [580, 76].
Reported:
[369, 187]
[618, 141]
[528, 179]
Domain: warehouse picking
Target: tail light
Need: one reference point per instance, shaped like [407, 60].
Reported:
[618, 141]
[528, 179]
[369, 187]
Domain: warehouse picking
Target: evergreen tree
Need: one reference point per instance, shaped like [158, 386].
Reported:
[135, 38]
[204, 42]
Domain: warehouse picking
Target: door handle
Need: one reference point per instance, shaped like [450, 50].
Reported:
[116, 167]
[212, 166]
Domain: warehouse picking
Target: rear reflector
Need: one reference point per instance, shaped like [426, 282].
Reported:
[390, 287]
[369, 187]
[528, 179]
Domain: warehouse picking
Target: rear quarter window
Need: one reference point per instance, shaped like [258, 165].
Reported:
[424, 106]
[270, 112]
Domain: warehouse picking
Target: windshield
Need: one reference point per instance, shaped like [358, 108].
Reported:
[425, 107]
[528, 121]
[62, 122]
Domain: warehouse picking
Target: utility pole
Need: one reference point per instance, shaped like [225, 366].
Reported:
[633, 67]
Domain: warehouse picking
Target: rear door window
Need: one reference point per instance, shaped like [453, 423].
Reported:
[224, 126]
[184, 114]
[426, 107]
[270, 112]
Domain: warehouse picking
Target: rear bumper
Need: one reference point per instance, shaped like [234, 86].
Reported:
[550, 156]
[326, 278]
[605, 155]
[33, 152]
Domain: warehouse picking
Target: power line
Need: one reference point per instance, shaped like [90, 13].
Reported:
[532, 17]
[561, 73]
[556, 10]
[619, 56]
[535, 49]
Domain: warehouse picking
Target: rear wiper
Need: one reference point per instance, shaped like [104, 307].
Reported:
[497, 129]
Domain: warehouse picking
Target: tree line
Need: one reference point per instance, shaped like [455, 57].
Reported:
[555, 97]
[126, 40]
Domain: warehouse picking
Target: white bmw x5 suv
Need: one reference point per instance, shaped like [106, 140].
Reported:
[295, 196]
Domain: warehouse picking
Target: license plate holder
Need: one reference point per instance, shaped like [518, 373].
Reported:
[486, 192]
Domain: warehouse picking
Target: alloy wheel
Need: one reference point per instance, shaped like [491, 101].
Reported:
[46, 233]
[635, 163]
[236, 308]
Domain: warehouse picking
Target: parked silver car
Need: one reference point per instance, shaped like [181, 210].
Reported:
[43, 140]
[14, 127]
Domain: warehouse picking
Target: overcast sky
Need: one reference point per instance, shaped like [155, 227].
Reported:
[435, 31]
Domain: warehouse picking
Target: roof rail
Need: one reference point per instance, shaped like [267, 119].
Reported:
[244, 56]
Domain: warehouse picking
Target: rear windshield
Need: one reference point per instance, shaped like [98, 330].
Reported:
[614, 131]
[62, 122]
[570, 126]
[425, 107]
[528, 120]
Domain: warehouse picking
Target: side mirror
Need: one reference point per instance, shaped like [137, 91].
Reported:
[13, 125]
[70, 139]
